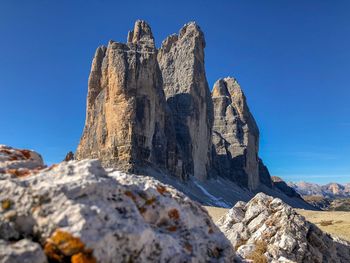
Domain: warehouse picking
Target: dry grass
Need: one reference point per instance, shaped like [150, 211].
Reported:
[340, 221]
[333, 222]
[258, 254]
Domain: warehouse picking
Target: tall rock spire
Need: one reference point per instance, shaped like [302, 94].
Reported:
[181, 61]
[126, 107]
[235, 135]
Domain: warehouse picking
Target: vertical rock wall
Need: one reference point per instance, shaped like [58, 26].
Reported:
[235, 135]
[181, 60]
[126, 107]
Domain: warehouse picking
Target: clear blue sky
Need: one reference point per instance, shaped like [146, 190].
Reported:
[292, 59]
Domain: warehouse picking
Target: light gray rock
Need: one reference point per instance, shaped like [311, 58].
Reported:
[276, 233]
[77, 210]
[22, 251]
[235, 135]
[181, 61]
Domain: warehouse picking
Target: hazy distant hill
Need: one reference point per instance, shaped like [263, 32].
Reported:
[331, 190]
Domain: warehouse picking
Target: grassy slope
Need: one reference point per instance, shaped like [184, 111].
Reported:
[334, 222]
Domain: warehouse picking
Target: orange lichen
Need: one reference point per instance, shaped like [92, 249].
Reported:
[142, 209]
[83, 258]
[171, 228]
[62, 245]
[6, 204]
[161, 189]
[174, 214]
[25, 153]
[18, 172]
[188, 247]
[13, 158]
[150, 201]
[131, 195]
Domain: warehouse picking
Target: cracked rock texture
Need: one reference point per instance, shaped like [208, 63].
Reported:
[78, 212]
[126, 109]
[269, 230]
[181, 61]
[235, 135]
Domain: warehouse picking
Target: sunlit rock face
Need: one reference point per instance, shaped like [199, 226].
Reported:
[267, 230]
[77, 211]
[126, 109]
[181, 61]
[235, 135]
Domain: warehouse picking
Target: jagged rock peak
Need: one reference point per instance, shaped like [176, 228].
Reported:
[126, 106]
[181, 61]
[142, 33]
[235, 135]
[267, 230]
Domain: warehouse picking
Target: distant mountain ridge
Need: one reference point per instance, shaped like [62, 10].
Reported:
[330, 190]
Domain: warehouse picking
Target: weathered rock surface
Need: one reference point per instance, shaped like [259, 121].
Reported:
[235, 135]
[23, 251]
[69, 157]
[181, 61]
[19, 162]
[126, 107]
[78, 212]
[267, 229]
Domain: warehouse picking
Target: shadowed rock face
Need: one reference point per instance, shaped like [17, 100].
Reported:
[235, 135]
[126, 107]
[181, 61]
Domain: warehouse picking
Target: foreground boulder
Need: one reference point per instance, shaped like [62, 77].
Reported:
[19, 162]
[78, 212]
[267, 230]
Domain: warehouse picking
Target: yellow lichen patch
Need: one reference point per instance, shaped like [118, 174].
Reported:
[174, 214]
[62, 246]
[6, 204]
[161, 189]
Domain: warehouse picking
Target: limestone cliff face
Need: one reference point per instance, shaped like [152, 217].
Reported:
[181, 61]
[126, 107]
[235, 135]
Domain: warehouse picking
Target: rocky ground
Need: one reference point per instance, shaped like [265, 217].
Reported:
[267, 230]
[77, 211]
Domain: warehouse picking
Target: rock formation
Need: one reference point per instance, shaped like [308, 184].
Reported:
[126, 107]
[69, 157]
[235, 134]
[19, 162]
[78, 212]
[181, 61]
[150, 111]
[267, 230]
